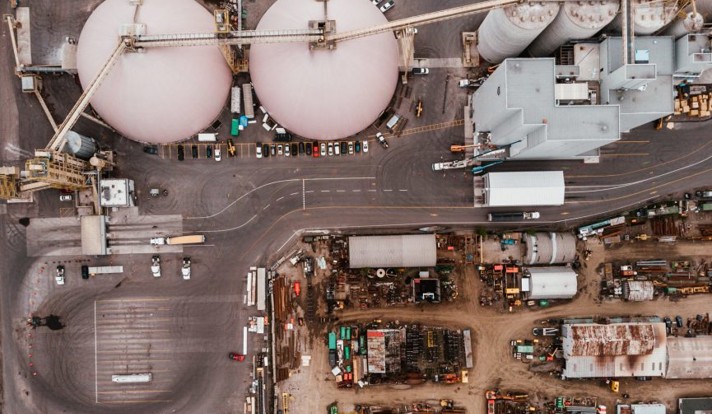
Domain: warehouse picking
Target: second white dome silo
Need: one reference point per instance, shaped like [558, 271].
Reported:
[507, 32]
[576, 20]
[649, 16]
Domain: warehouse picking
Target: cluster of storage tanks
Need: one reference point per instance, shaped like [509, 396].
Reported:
[539, 28]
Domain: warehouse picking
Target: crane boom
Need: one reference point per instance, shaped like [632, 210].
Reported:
[59, 138]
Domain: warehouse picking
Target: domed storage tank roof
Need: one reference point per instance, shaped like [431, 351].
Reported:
[576, 20]
[692, 23]
[163, 94]
[650, 16]
[325, 94]
[507, 32]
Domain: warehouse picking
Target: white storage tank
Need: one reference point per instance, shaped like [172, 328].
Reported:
[576, 20]
[80, 146]
[692, 23]
[650, 16]
[507, 32]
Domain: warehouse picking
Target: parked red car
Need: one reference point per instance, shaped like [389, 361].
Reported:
[236, 357]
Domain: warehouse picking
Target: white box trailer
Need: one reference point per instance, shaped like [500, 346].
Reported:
[105, 270]
[207, 137]
[523, 188]
[235, 100]
[247, 101]
[132, 378]
[261, 287]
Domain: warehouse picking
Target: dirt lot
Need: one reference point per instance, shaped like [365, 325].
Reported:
[312, 388]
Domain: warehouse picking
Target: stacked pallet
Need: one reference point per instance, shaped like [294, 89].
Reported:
[698, 106]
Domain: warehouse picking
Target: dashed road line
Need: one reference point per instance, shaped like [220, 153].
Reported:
[304, 194]
[356, 191]
[403, 189]
[371, 191]
[266, 207]
[280, 198]
[340, 191]
[293, 194]
[387, 190]
[309, 191]
[325, 191]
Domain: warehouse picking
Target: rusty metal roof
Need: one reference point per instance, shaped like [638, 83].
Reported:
[612, 340]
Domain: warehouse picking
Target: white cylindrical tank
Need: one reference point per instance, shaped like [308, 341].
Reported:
[80, 146]
[650, 16]
[692, 23]
[507, 32]
[576, 20]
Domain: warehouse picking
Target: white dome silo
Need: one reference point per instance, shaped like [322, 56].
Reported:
[163, 94]
[507, 32]
[325, 94]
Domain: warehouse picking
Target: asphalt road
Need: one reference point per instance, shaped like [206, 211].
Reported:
[251, 210]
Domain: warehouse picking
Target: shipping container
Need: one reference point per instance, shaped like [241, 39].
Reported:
[235, 127]
[249, 106]
[332, 340]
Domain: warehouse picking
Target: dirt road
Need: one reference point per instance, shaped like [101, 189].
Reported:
[313, 388]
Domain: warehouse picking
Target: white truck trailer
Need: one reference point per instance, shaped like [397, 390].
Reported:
[105, 270]
[190, 239]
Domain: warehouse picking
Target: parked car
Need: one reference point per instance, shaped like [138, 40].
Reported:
[337, 149]
[194, 151]
[85, 272]
[181, 153]
[218, 156]
[280, 151]
[156, 266]
[185, 269]
[375, 2]
[209, 151]
[308, 148]
[351, 148]
[365, 146]
[295, 150]
[236, 357]
[668, 324]
[331, 149]
[381, 140]
[151, 149]
[65, 197]
[344, 148]
[323, 149]
[357, 146]
[258, 151]
[59, 277]
[420, 71]
[387, 6]
[265, 150]
[678, 321]
[287, 151]
[273, 150]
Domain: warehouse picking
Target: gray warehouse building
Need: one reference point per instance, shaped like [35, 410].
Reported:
[416, 250]
[689, 357]
[556, 282]
[696, 405]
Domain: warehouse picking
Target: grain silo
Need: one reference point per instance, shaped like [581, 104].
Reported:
[507, 32]
[576, 20]
[325, 93]
[649, 16]
[163, 94]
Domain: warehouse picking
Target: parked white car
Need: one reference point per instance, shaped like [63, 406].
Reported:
[59, 277]
[185, 270]
[156, 266]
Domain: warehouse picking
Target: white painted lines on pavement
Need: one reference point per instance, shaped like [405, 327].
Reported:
[402, 190]
[279, 199]
[387, 190]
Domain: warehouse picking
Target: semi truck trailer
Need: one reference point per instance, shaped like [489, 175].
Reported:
[533, 215]
[191, 239]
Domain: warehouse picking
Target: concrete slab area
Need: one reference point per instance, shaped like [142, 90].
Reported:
[24, 44]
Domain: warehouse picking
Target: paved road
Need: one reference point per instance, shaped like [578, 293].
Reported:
[250, 211]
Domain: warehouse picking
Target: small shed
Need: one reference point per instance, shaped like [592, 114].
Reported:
[638, 290]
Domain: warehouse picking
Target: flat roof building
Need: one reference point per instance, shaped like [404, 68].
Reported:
[521, 188]
[414, 250]
[627, 349]
[116, 192]
[697, 405]
[689, 357]
[692, 55]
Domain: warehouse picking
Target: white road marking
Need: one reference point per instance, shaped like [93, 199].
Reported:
[96, 361]
[371, 190]
[280, 198]
[387, 190]
[340, 191]
[325, 191]
[304, 195]
[309, 191]
[293, 194]
[266, 207]
[244, 340]
[356, 191]
[403, 189]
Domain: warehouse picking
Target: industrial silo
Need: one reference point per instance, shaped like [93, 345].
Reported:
[80, 146]
[649, 16]
[507, 32]
[576, 20]
[549, 248]
[692, 23]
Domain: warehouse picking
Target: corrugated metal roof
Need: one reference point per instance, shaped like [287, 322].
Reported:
[638, 290]
[614, 350]
[689, 357]
[525, 188]
[416, 250]
[552, 283]
[376, 350]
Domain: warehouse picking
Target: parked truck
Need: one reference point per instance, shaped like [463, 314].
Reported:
[105, 270]
[524, 215]
[191, 239]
